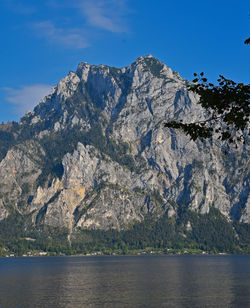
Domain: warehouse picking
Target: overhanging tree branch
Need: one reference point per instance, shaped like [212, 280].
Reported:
[227, 107]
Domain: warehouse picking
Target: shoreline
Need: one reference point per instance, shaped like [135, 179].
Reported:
[127, 255]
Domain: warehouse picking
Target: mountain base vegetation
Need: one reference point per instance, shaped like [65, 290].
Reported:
[189, 233]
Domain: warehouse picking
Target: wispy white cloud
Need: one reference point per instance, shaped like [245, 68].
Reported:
[68, 37]
[105, 14]
[26, 97]
[83, 18]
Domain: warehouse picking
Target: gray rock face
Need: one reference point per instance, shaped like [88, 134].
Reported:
[18, 172]
[118, 162]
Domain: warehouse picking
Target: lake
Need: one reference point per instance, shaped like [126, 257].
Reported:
[125, 281]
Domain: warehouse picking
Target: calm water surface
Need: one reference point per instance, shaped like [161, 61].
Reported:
[140, 281]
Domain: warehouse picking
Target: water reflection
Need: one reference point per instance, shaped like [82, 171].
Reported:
[145, 281]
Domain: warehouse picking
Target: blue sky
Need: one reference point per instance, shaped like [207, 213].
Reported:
[41, 41]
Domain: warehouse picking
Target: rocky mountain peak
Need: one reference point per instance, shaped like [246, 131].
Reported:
[94, 153]
[154, 66]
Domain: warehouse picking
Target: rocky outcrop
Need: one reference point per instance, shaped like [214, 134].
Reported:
[103, 158]
[19, 171]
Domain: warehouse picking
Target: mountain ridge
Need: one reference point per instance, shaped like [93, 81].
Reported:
[94, 154]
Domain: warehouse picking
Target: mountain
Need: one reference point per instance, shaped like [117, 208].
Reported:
[94, 155]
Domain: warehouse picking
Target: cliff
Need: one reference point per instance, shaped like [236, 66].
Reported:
[94, 154]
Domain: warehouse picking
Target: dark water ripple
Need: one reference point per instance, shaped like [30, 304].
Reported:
[141, 281]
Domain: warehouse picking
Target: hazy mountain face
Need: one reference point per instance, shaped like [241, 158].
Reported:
[95, 154]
